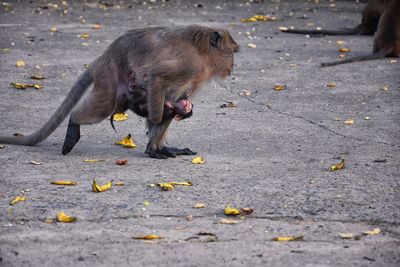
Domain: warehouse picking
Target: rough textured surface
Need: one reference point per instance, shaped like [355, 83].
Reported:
[271, 153]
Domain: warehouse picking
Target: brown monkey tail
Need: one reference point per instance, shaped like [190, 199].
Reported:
[355, 59]
[74, 95]
[351, 31]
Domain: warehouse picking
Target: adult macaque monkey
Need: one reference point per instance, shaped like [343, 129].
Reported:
[387, 37]
[169, 62]
[368, 26]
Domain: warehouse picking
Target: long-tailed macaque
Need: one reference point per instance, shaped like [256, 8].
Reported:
[171, 62]
[368, 26]
[387, 37]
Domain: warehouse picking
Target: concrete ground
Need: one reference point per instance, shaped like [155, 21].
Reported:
[271, 153]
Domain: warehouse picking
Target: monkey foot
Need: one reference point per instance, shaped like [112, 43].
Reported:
[72, 137]
[169, 152]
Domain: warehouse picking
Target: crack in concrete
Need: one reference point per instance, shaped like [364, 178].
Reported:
[316, 124]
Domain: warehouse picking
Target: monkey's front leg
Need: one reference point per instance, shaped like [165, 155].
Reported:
[156, 147]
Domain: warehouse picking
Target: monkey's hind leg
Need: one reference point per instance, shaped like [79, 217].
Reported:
[98, 106]
[72, 137]
[156, 147]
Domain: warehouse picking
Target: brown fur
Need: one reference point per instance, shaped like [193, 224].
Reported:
[369, 22]
[387, 37]
[171, 62]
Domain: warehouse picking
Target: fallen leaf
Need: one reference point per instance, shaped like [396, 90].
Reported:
[100, 188]
[346, 235]
[338, 166]
[342, 55]
[331, 84]
[5, 50]
[279, 87]
[349, 121]
[344, 50]
[17, 199]
[198, 160]
[53, 29]
[35, 163]
[49, 220]
[119, 183]
[97, 26]
[374, 231]
[62, 217]
[250, 45]
[171, 185]
[367, 118]
[83, 36]
[256, 18]
[283, 28]
[148, 237]
[228, 221]
[229, 210]
[385, 88]
[121, 161]
[393, 61]
[127, 142]
[246, 211]
[120, 116]
[20, 63]
[64, 182]
[26, 85]
[2, 146]
[146, 203]
[85, 44]
[245, 93]
[340, 42]
[288, 238]
[37, 77]
[200, 205]
[189, 218]
[228, 104]
[94, 160]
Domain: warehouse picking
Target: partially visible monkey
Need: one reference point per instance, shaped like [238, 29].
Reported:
[387, 37]
[171, 61]
[369, 22]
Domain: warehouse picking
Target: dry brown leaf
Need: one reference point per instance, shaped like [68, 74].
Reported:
[228, 104]
[97, 26]
[344, 50]
[346, 235]
[246, 211]
[338, 166]
[349, 121]
[20, 63]
[121, 161]
[228, 221]
[331, 84]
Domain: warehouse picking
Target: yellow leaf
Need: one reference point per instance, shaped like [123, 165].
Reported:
[2, 146]
[171, 185]
[229, 210]
[64, 182]
[349, 121]
[5, 50]
[148, 237]
[17, 199]
[338, 166]
[200, 205]
[35, 163]
[283, 28]
[187, 183]
[279, 87]
[119, 183]
[62, 217]
[127, 142]
[198, 160]
[94, 160]
[346, 235]
[53, 29]
[331, 84]
[26, 85]
[120, 117]
[256, 18]
[372, 232]
[288, 238]
[37, 77]
[85, 44]
[84, 36]
[20, 63]
[146, 203]
[340, 42]
[385, 88]
[228, 221]
[250, 45]
[100, 188]
[344, 50]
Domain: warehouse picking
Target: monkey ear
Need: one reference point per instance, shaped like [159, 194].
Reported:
[215, 36]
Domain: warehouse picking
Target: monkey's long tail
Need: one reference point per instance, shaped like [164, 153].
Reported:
[354, 59]
[76, 93]
[325, 32]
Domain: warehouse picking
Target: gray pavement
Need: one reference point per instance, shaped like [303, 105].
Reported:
[272, 152]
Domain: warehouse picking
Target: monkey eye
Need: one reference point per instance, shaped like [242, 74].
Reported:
[215, 36]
